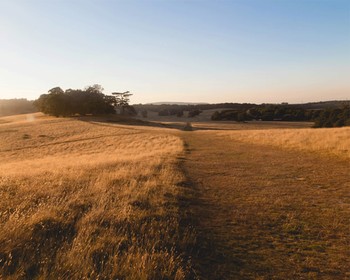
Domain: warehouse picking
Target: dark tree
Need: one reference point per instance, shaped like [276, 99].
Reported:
[144, 113]
[122, 100]
[194, 113]
[90, 101]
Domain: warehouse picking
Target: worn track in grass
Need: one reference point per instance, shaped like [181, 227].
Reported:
[268, 213]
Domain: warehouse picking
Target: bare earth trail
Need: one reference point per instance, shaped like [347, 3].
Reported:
[267, 213]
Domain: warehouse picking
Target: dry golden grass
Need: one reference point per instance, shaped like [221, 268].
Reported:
[327, 141]
[265, 212]
[87, 201]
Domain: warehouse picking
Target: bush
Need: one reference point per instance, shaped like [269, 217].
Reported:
[180, 114]
[194, 113]
[188, 127]
[144, 113]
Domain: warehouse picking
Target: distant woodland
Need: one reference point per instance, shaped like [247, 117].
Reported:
[16, 106]
[324, 114]
[330, 117]
[92, 101]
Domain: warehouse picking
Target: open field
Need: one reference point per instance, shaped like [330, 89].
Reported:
[265, 212]
[324, 141]
[90, 199]
[86, 201]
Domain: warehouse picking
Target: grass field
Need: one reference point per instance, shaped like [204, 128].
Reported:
[87, 199]
[335, 141]
[265, 212]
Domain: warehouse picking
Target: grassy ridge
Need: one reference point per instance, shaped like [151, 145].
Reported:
[85, 201]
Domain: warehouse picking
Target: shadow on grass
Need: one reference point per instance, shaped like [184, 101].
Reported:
[214, 255]
[207, 257]
[124, 120]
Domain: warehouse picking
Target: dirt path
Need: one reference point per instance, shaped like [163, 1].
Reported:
[267, 213]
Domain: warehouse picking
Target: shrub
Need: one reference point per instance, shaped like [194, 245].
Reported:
[194, 113]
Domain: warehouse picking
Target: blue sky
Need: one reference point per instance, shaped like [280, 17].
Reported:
[200, 51]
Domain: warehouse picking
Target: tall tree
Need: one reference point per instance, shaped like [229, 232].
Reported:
[122, 100]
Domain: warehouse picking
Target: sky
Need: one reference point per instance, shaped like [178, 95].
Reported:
[259, 51]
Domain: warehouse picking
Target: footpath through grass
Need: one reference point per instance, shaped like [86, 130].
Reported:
[268, 213]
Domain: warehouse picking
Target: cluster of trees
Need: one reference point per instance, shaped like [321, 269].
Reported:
[92, 101]
[179, 112]
[322, 117]
[16, 106]
[266, 113]
[171, 112]
[324, 114]
[229, 115]
[193, 113]
[89, 101]
[173, 109]
[238, 106]
[333, 117]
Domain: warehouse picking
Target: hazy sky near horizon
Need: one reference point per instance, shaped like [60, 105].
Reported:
[199, 51]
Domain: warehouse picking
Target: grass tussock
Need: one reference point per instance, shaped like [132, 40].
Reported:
[327, 141]
[87, 201]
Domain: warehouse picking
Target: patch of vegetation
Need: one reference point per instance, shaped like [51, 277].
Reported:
[193, 113]
[265, 113]
[171, 112]
[323, 118]
[166, 108]
[333, 117]
[188, 127]
[144, 113]
[90, 101]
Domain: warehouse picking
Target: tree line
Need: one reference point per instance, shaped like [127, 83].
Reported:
[87, 101]
[92, 101]
[179, 112]
[323, 114]
[236, 106]
[333, 117]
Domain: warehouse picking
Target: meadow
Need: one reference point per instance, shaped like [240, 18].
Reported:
[326, 141]
[94, 199]
[83, 200]
[273, 202]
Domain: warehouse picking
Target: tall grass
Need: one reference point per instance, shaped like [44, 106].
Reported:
[85, 201]
[327, 141]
